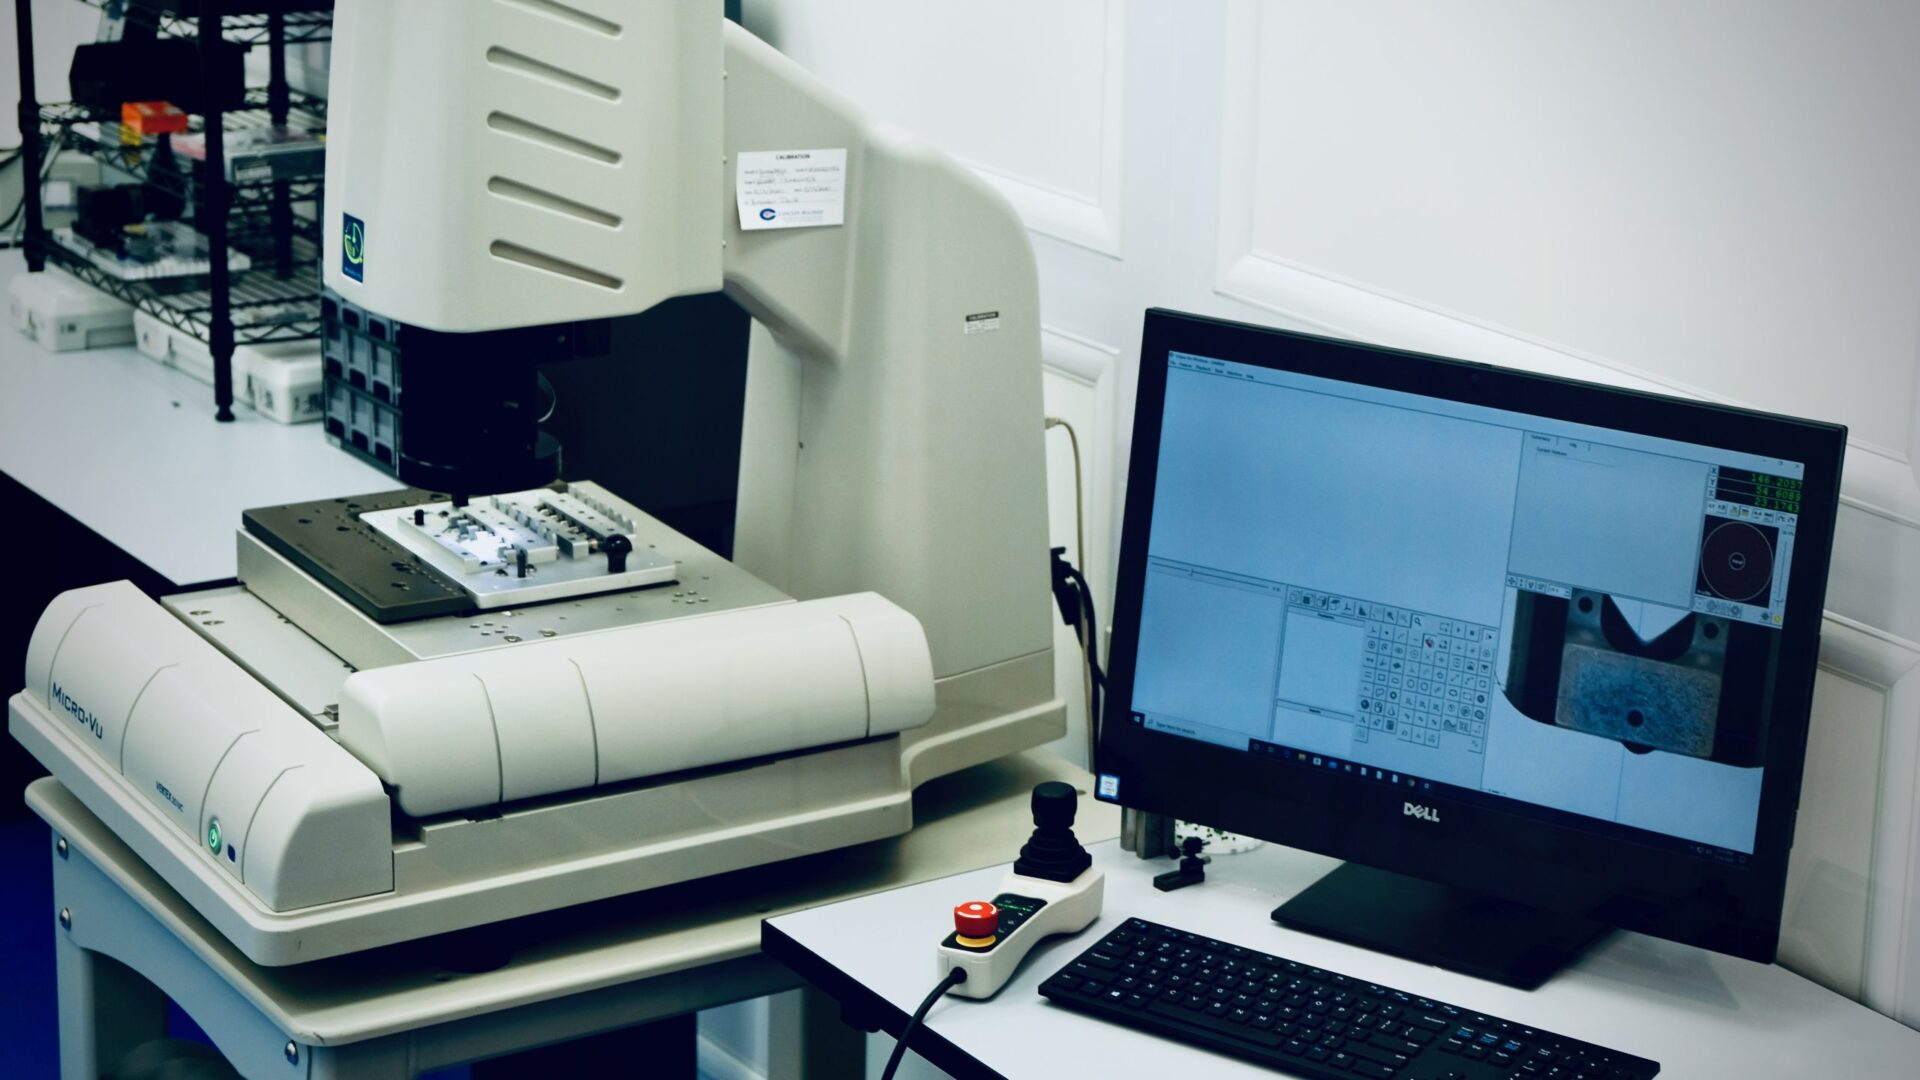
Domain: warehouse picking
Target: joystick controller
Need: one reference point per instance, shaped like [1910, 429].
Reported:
[1053, 889]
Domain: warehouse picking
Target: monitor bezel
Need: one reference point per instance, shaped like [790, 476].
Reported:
[1728, 907]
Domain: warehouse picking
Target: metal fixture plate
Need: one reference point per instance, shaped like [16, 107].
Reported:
[526, 547]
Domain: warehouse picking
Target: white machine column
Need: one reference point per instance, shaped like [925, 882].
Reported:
[892, 445]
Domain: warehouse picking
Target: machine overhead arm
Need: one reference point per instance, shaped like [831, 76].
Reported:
[505, 166]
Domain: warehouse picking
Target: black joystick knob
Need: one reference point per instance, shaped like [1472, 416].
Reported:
[617, 548]
[1053, 853]
[1054, 805]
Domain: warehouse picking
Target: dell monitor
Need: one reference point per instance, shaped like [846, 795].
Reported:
[1535, 657]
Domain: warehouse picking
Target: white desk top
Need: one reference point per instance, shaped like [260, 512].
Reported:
[1699, 1014]
[131, 450]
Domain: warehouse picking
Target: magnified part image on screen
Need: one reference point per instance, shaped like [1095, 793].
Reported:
[1659, 678]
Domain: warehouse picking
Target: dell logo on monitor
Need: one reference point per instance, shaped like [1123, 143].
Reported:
[1425, 813]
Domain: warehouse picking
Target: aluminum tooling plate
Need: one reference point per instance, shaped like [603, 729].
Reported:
[527, 547]
[706, 584]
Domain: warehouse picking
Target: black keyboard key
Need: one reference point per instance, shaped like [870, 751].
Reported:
[1090, 973]
[1368, 1068]
[1395, 1043]
[1361, 1049]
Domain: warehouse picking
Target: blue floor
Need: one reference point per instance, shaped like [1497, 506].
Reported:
[27, 1013]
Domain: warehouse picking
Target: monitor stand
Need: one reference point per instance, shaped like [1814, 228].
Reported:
[1434, 924]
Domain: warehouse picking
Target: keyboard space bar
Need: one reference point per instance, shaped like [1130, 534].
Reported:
[1181, 1016]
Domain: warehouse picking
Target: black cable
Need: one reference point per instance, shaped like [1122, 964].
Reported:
[955, 976]
[1091, 643]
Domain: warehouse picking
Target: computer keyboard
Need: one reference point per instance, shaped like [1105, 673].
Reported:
[1307, 1020]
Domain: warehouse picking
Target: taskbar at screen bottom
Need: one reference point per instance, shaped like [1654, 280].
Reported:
[1425, 787]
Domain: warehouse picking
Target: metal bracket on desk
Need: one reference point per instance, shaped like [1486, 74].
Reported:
[1149, 836]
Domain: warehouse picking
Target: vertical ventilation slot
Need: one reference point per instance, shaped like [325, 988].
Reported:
[568, 14]
[540, 260]
[509, 60]
[512, 125]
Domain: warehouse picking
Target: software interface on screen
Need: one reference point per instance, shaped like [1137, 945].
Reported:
[1466, 600]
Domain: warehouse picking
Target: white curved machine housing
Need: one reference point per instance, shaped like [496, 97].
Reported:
[478, 729]
[228, 776]
[886, 617]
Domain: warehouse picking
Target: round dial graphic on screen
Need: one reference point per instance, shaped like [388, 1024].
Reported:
[1736, 561]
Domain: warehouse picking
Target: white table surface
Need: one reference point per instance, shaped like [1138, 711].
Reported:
[1699, 1014]
[130, 449]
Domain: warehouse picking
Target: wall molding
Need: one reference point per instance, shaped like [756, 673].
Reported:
[1890, 981]
[1076, 357]
[1093, 364]
[1093, 224]
[1880, 480]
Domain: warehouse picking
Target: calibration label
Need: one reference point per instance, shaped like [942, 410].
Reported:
[791, 189]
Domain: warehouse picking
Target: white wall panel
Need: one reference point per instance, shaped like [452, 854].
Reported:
[1711, 198]
[1823, 933]
[1713, 193]
[1852, 915]
[1028, 94]
[57, 28]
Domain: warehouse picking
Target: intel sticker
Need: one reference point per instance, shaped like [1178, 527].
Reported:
[353, 247]
[1109, 786]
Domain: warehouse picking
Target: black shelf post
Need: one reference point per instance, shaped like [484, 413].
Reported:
[219, 197]
[279, 107]
[293, 282]
[35, 231]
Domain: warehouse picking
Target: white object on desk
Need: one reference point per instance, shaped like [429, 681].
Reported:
[63, 314]
[1069, 907]
[1700, 1014]
[131, 451]
[282, 380]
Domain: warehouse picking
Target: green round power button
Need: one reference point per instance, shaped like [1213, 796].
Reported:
[213, 836]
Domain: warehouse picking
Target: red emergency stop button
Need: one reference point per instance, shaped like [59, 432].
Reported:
[976, 922]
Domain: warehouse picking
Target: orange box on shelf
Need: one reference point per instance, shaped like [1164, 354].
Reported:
[152, 117]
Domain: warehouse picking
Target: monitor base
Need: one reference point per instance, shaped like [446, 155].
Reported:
[1435, 924]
